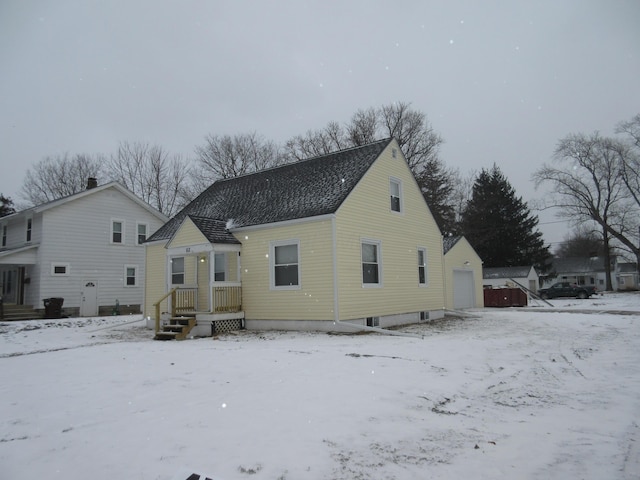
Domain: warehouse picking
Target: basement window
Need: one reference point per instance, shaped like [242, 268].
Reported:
[60, 269]
[373, 321]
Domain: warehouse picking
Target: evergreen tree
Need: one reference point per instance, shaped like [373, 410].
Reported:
[438, 185]
[500, 226]
[6, 206]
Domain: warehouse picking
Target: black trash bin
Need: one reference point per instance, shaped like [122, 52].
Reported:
[53, 307]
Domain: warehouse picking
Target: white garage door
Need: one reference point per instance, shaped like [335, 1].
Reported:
[463, 291]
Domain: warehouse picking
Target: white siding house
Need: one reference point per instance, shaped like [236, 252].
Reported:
[85, 248]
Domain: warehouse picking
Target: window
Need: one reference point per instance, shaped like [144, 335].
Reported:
[29, 226]
[177, 271]
[422, 266]
[219, 267]
[60, 269]
[373, 321]
[117, 231]
[285, 265]
[395, 191]
[371, 263]
[131, 275]
[424, 316]
[142, 233]
[4, 235]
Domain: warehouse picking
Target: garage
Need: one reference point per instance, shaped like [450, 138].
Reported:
[463, 289]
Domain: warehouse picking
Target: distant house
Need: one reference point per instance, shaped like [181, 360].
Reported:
[627, 276]
[462, 273]
[333, 243]
[86, 248]
[525, 276]
[591, 271]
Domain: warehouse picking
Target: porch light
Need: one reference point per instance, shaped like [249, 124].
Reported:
[203, 259]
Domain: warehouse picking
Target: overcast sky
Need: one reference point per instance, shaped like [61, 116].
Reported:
[501, 81]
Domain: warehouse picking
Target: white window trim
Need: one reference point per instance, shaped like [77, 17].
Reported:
[426, 270]
[378, 244]
[272, 264]
[137, 272]
[184, 271]
[67, 270]
[28, 229]
[146, 234]
[398, 182]
[113, 220]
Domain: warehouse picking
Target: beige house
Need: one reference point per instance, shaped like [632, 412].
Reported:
[333, 243]
[462, 273]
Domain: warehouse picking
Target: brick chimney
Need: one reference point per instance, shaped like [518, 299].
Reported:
[92, 182]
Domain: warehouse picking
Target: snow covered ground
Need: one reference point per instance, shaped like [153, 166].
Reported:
[531, 393]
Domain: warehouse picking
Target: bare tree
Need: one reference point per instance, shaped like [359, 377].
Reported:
[318, 142]
[586, 185]
[416, 137]
[150, 172]
[630, 161]
[584, 241]
[227, 157]
[59, 176]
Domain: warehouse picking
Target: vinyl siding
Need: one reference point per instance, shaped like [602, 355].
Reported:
[187, 235]
[156, 279]
[314, 300]
[455, 259]
[366, 214]
[78, 233]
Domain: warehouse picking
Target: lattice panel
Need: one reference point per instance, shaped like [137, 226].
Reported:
[223, 326]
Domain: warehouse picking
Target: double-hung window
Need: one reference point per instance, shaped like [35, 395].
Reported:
[177, 271]
[117, 232]
[422, 266]
[219, 267]
[285, 265]
[142, 233]
[131, 275]
[29, 228]
[371, 264]
[395, 193]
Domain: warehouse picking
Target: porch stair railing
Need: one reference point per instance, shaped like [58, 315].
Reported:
[183, 302]
[182, 306]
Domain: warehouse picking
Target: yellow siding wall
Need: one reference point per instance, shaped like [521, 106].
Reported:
[314, 300]
[231, 260]
[188, 234]
[367, 214]
[455, 259]
[155, 278]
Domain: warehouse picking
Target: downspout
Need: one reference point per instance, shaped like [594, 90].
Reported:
[443, 275]
[336, 303]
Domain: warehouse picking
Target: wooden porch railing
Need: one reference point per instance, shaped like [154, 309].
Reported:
[182, 300]
[227, 299]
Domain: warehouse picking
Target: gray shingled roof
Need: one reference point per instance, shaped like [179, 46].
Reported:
[215, 230]
[449, 242]
[312, 187]
[506, 272]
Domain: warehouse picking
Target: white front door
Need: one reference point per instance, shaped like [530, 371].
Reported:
[89, 299]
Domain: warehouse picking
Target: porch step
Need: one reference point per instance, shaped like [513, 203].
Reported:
[177, 329]
[20, 312]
